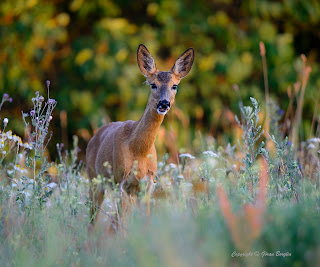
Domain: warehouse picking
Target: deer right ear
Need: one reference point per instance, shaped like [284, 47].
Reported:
[146, 62]
[183, 64]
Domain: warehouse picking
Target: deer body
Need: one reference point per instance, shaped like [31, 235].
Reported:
[121, 144]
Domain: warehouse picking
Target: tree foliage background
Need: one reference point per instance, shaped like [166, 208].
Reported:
[87, 49]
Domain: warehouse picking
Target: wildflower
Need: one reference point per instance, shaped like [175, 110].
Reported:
[16, 167]
[5, 121]
[172, 165]
[10, 99]
[311, 146]
[32, 112]
[186, 155]
[314, 140]
[167, 168]
[280, 112]
[5, 97]
[52, 101]
[19, 169]
[41, 98]
[50, 118]
[9, 135]
[52, 185]
[16, 138]
[210, 154]
[4, 152]
[48, 83]
[180, 176]
[27, 146]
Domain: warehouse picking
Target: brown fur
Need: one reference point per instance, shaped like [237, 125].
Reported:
[122, 143]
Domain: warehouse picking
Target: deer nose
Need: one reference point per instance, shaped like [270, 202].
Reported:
[163, 106]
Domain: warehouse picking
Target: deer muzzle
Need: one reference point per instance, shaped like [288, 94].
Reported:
[163, 107]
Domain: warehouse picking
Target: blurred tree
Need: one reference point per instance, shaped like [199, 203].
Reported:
[88, 51]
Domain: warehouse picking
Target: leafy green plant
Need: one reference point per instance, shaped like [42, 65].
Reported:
[250, 147]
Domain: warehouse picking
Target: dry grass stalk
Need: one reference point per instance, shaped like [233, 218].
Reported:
[266, 85]
[306, 70]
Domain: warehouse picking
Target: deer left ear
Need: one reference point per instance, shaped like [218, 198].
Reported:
[146, 62]
[183, 64]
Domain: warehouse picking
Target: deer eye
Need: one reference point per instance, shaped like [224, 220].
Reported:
[153, 86]
[174, 87]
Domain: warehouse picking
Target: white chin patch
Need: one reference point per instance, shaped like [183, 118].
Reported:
[162, 112]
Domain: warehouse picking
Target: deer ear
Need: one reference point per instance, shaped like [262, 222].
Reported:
[183, 64]
[146, 62]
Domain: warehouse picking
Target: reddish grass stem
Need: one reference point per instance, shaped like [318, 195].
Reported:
[305, 76]
[266, 84]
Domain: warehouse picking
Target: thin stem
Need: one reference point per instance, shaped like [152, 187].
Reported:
[266, 84]
[314, 114]
[305, 76]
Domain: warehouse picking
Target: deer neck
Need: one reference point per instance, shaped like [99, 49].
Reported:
[145, 130]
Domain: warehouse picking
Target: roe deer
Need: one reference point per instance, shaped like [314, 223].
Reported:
[123, 143]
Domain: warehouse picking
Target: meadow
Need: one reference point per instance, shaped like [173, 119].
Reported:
[250, 203]
[238, 154]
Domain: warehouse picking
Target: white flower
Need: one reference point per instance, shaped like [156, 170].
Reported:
[210, 154]
[4, 152]
[186, 155]
[16, 167]
[180, 176]
[172, 165]
[166, 168]
[52, 185]
[27, 145]
[314, 140]
[16, 138]
[311, 146]
[9, 135]
[5, 121]
[19, 169]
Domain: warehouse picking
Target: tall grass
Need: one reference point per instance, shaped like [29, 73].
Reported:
[216, 208]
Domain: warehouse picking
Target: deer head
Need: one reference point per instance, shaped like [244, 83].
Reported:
[163, 83]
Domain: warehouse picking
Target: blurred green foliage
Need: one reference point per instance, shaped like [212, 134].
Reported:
[88, 51]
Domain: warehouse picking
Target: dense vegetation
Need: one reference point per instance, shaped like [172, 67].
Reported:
[241, 204]
[88, 51]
